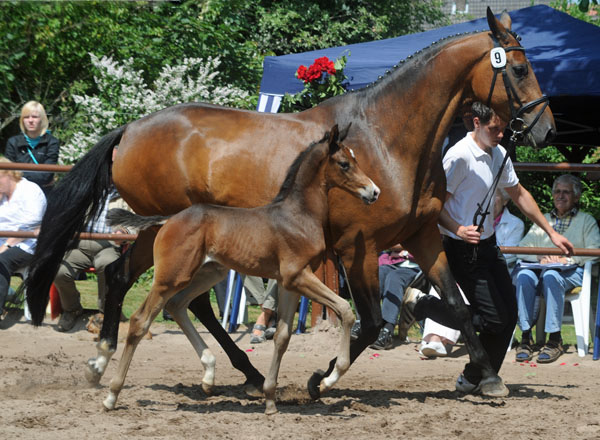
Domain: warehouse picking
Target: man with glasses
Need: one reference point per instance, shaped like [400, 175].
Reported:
[553, 275]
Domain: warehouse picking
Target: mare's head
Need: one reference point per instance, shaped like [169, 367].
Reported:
[504, 80]
[342, 169]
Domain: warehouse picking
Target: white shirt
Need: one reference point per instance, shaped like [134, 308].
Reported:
[509, 231]
[23, 212]
[470, 172]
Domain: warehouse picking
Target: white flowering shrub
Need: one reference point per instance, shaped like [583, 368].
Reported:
[123, 96]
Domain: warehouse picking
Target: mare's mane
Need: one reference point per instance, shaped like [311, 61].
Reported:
[290, 178]
[412, 62]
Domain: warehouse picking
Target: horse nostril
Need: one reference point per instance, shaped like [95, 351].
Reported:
[550, 135]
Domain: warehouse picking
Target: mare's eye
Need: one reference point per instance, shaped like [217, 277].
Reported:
[520, 71]
[345, 166]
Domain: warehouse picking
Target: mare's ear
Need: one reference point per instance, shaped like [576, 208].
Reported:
[334, 136]
[497, 26]
[344, 132]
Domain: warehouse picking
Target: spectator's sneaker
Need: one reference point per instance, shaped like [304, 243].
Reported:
[68, 320]
[270, 332]
[466, 387]
[355, 331]
[433, 349]
[384, 341]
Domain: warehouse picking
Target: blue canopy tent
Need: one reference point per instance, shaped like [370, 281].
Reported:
[563, 51]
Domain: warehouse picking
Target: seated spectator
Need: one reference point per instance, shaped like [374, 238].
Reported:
[22, 205]
[265, 296]
[88, 253]
[396, 271]
[438, 339]
[34, 144]
[562, 273]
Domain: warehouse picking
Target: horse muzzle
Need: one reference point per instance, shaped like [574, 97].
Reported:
[370, 194]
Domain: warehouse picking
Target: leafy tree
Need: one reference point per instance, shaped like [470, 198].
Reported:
[45, 45]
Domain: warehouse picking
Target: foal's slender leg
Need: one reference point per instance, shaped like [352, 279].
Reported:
[120, 276]
[309, 285]
[138, 326]
[201, 307]
[177, 307]
[427, 248]
[362, 269]
[287, 305]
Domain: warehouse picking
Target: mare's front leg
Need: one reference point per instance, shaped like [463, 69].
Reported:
[286, 308]
[364, 282]
[426, 246]
[120, 276]
[203, 310]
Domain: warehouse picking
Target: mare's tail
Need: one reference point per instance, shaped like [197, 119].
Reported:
[121, 217]
[80, 195]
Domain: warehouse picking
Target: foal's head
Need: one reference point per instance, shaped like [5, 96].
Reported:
[342, 169]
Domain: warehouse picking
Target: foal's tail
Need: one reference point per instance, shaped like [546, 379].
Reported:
[121, 217]
[80, 195]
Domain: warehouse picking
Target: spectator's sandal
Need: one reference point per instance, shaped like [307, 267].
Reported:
[258, 339]
[524, 352]
[550, 353]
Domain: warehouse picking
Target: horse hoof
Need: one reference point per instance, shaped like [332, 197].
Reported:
[493, 387]
[92, 375]
[207, 388]
[252, 391]
[110, 402]
[314, 384]
[270, 408]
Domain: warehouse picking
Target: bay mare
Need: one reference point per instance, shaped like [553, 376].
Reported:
[284, 240]
[200, 153]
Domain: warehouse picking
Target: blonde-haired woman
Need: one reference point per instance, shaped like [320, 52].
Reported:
[34, 144]
[22, 205]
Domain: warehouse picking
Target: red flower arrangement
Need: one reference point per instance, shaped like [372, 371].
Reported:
[316, 70]
[322, 80]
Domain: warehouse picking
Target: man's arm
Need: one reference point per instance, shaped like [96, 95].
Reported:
[524, 200]
[467, 233]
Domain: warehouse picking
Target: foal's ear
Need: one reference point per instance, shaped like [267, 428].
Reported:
[334, 136]
[344, 132]
[498, 27]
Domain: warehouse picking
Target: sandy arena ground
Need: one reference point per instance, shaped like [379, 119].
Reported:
[390, 394]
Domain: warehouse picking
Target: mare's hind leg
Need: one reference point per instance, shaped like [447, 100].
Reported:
[201, 307]
[427, 248]
[120, 276]
[287, 305]
[177, 307]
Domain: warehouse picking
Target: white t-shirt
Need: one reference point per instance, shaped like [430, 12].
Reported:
[470, 172]
[23, 212]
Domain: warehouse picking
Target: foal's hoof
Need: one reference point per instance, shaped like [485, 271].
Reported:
[92, 375]
[314, 384]
[252, 390]
[207, 388]
[493, 387]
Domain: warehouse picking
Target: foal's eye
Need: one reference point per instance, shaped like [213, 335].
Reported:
[520, 71]
[345, 166]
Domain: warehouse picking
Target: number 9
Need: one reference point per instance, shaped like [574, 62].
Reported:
[498, 57]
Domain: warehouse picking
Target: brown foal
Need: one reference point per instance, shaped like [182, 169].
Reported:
[284, 240]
